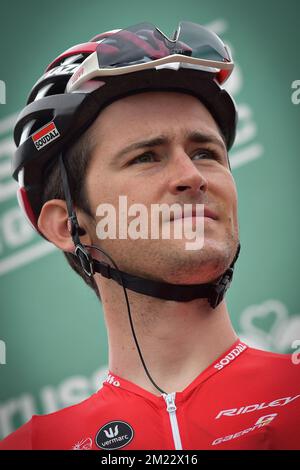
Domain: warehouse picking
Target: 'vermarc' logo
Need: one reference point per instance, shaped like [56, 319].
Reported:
[110, 433]
[114, 435]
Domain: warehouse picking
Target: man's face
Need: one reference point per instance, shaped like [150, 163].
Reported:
[176, 155]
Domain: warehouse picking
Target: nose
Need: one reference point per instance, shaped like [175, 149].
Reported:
[185, 176]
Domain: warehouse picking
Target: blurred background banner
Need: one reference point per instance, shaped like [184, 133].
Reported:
[53, 345]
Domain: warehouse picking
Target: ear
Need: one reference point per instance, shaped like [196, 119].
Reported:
[53, 223]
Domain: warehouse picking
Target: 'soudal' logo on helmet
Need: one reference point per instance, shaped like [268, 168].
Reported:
[45, 135]
[114, 435]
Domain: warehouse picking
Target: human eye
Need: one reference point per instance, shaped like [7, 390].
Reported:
[146, 157]
[207, 154]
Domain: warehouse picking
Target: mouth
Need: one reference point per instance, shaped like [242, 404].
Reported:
[193, 213]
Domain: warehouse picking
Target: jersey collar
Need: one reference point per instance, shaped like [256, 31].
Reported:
[224, 361]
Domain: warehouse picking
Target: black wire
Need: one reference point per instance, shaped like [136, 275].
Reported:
[130, 317]
[75, 237]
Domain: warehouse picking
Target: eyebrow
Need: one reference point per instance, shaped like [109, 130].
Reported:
[195, 136]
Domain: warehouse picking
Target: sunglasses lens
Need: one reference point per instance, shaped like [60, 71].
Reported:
[144, 43]
[135, 45]
[204, 44]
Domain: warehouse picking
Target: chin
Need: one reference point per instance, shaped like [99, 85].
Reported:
[195, 266]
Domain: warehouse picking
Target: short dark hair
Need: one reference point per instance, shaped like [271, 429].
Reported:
[76, 160]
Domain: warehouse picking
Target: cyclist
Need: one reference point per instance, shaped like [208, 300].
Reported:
[136, 114]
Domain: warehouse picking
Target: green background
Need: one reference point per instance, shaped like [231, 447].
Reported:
[51, 323]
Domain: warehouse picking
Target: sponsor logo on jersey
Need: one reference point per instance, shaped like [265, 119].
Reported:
[112, 381]
[258, 406]
[114, 435]
[84, 444]
[262, 421]
[45, 135]
[234, 353]
[110, 433]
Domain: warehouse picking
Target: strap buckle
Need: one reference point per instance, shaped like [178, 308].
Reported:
[219, 288]
[85, 260]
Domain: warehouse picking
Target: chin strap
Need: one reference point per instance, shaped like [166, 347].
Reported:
[213, 291]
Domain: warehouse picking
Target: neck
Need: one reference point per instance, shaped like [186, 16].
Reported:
[178, 340]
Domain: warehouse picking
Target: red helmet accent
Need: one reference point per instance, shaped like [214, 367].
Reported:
[85, 48]
[222, 75]
[26, 206]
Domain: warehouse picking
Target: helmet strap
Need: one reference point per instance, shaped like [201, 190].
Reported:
[74, 227]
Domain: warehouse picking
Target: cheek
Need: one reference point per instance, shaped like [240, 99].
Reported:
[232, 206]
[109, 188]
[227, 193]
[100, 189]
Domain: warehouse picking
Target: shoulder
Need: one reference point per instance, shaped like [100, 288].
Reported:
[21, 439]
[283, 362]
[50, 430]
[267, 372]
[280, 371]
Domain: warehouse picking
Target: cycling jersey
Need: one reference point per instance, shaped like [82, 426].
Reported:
[246, 399]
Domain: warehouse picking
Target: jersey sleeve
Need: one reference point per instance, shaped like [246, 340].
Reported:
[21, 439]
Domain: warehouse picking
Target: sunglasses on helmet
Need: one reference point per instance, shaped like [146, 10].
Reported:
[144, 46]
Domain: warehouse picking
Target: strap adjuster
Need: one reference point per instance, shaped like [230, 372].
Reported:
[85, 260]
[219, 288]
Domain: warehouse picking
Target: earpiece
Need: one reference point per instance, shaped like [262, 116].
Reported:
[81, 231]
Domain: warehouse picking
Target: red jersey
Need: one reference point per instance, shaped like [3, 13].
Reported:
[246, 399]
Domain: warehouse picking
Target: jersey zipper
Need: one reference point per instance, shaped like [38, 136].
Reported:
[171, 408]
